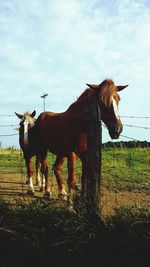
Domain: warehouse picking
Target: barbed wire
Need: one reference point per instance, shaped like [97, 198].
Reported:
[131, 138]
[121, 116]
[126, 125]
[8, 125]
[105, 201]
[7, 115]
[6, 135]
[136, 117]
[136, 126]
[114, 174]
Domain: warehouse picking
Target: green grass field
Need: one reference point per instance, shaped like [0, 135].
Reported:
[125, 176]
[127, 169]
[122, 169]
[36, 232]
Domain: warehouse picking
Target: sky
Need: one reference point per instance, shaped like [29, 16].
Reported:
[57, 46]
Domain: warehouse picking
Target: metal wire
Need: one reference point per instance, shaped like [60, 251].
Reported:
[3, 135]
[8, 125]
[135, 126]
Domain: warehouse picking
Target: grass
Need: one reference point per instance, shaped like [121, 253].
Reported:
[125, 176]
[44, 234]
[124, 169]
[36, 232]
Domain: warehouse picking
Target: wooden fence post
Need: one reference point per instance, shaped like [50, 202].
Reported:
[91, 160]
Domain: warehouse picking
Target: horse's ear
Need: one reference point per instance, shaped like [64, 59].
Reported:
[33, 113]
[19, 115]
[121, 87]
[92, 86]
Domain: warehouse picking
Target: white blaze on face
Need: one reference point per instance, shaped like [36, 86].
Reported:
[116, 110]
[26, 141]
[28, 120]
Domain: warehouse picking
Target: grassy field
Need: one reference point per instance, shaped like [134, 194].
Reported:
[125, 177]
[36, 232]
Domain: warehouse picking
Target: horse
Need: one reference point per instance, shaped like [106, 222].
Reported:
[28, 143]
[64, 134]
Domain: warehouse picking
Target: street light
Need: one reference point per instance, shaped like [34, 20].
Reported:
[44, 96]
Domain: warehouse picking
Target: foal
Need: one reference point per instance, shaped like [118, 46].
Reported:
[28, 141]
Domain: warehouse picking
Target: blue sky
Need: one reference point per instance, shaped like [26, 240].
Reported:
[57, 46]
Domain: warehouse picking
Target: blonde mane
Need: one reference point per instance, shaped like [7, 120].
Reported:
[104, 91]
[31, 120]
[107, 91]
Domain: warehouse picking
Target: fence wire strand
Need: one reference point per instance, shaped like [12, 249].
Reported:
[119, 177]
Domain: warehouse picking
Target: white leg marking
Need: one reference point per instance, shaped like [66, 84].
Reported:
[43, 181]
[31, 184]
[62, 194]
[30, 190]
[38, 178]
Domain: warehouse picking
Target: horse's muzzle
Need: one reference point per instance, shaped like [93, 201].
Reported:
[115, 131]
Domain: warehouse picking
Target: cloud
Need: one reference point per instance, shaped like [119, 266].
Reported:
[58, 46]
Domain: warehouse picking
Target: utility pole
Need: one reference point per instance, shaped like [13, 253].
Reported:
[44, 96]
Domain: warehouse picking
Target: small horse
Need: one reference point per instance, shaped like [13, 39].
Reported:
[65, 135]
[28, 143]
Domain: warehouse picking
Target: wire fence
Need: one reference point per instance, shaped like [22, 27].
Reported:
[125, 172]
[14, 125]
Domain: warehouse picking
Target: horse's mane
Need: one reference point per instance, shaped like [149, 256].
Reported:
[31, 119]
[107, 90]
[27, 113]
[104, 91]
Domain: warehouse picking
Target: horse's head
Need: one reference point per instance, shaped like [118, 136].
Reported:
[27, 122]
[108, 98]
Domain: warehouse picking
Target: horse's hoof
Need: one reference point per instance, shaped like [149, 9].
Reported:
[70, 205]
[41, 189]
[47, 195]
[71, 209]
[30, 193]
[75, 187]
[38, 184]
[62, 195]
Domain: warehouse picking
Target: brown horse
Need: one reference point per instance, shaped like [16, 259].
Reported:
[64, 134]
[28, 143]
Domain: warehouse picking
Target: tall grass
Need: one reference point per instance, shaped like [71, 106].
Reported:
[46, 234]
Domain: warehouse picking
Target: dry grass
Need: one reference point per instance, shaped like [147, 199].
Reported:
[37, 232]
[13, 188]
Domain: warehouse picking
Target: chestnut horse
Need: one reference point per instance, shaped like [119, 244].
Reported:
[65, 135]
[28, 143]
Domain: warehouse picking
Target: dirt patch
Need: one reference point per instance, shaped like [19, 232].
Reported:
[110, 200]
[13, 188]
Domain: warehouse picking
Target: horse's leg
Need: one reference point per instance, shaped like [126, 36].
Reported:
[44, 174]
[42, 187]
[83, 176]
[28, 161]
[71, 160]
[37, 166]
[57, 171]
[44, 169]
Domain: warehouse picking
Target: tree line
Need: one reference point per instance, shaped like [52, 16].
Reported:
[126, 144]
